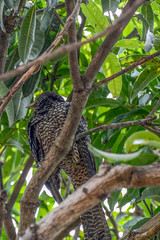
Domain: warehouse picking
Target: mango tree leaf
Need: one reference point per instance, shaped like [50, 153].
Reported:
[127, 226]
[111, 66]
[129, 28]
[38, 42]
[151, 193]
[93, 102]
[145, 77]
[95, 16]
[10, 107]
[130, 43]
[148, 15]
[110, 5]
[114, 156]
[140, 223]
[145, 26]
[47, 18]
[27, 34]
[9, 3]
[11, 60]
[130, 144]
[22, 109]
[1, 16]
[15, 144]
[17, 101]
[31, 84]
[113, 200]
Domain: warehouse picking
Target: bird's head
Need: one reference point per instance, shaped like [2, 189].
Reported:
[46, 98]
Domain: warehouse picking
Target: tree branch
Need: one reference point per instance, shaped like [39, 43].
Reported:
[65, 140]
[91, 193]
[132, 66]
[3, 198]
[147, 230]
[141, 122]
[73, 58]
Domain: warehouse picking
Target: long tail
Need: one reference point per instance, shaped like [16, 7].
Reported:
[95, 225]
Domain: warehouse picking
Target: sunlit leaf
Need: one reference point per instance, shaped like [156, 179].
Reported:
[145, 77]
[95, 16]
[15, 144]
[130, 144]
[113, 156]
[130, 43]
[111, 66]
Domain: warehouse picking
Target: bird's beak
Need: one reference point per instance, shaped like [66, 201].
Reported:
[32, 105]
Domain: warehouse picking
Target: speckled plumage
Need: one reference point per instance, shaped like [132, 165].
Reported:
[44, 127]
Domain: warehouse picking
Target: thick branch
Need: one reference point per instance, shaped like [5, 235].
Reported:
[147, 230]
[4, 43]
[91, 193]
[63, 143]
[73, 58]
[3, 198]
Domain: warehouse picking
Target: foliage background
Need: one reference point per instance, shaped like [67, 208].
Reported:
[128, 97]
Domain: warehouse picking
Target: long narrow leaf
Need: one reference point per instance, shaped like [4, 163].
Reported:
[27, 34]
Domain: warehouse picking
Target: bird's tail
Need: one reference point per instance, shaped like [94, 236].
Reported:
[95, 225]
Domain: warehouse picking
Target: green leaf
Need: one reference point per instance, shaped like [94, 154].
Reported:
[22, 109]
[145, 77]
[145, 25]
[127, 226]
[38, 42]
[47, 18]
[15, 144]
[1, 16]
[11, 60]
[110, 5]
[114, 156]
[17, 101]
[9, 3]
[129, 28]
[10, 107]
[27, 34]
[148, 15]
[131, 142]
[111, 66]
[140, 223]
[130, 43]
[93, 102]
[31, 84]
[95, 16]
[113, 200]
[150, 193]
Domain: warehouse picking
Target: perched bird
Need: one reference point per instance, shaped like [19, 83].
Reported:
[48, 119]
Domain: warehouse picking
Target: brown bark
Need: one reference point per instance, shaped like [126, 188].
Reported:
[91, 193]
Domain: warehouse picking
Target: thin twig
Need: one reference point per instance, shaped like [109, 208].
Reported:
[105, 127]
[154, 109]
[109, 214]
[132, 66]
